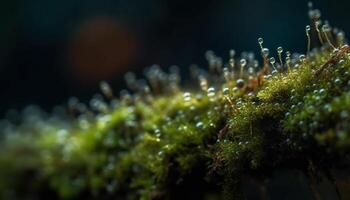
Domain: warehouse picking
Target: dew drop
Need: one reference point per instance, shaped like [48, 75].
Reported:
[310, 5]
[161, 153]
[325, 28]
[256, 64]
[232, 63]
[265, 52]
[243, 62]
[106, 89]
[199, 125]
[337, 81]
[157, 133]
[211, 93]
[203, 82]
[287, 114]
[288, 54]
[240, 83]
[307, 28]
[344, 114]
[335, 51]
[232, 53]
[187, 97]
[225, 91]
[322, 91]
[279, 50]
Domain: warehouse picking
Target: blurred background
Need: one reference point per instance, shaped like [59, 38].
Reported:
[51, 50]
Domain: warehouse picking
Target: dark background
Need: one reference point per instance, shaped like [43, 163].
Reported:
[51, 50]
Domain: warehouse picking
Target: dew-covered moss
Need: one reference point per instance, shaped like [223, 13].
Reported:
[165, 142]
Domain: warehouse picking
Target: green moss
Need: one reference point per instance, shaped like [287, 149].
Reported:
[149, 147]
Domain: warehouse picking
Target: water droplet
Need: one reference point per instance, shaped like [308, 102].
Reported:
[187, 97]
[288, 141]
[226, 73]
[232, 63]
[256, 64]
[314, 14]
[292, 107]
[203, 83]
[243, 62]
[307, 28]
[225, 91]
[337, 81]
[302, 58]
[279, 50]
[235, 89]
[288, 54]
[288, 61]
[322, 91]
[301, 123]
[106, 89]
[200, 125]
[335, 51]
[310, 5]
[157, 133]
[328, 108]
[232, 53]
[240, 83]
[325, 28]
[265, 52]
[344, 114]
[211, 93]
[161, 153]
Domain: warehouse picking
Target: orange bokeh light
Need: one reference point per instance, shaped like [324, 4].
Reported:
[101, 48]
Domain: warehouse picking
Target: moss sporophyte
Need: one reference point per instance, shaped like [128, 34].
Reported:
[160, 140]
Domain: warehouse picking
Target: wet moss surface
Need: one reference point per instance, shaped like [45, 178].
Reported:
[163, 142]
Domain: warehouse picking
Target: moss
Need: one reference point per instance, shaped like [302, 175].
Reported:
[153, 145]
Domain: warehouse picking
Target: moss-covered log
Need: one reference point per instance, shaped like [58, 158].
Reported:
[163, 142]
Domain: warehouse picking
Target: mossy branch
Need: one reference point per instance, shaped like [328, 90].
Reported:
[166, 145]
